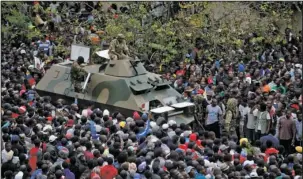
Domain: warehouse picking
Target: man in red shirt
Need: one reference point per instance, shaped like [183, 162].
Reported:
[183, 144]
[88, 154]
[181, 71]
[108, 171]
[35, 155]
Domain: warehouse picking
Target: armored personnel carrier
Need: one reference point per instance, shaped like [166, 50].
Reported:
[121, 85]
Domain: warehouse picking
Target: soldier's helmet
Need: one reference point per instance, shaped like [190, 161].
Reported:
[121, 36]
[199, 99]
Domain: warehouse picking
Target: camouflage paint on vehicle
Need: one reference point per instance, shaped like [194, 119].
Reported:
[115, 87]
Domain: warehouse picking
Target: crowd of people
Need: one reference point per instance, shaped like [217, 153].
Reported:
[248, 113]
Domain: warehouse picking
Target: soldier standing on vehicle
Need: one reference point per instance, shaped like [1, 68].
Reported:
[118, 49]
[77, 74]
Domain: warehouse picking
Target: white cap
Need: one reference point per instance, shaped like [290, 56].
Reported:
[78, 115]
[52, 138]
[105, 112]
[47, 127]
[98, 128]
[153, 124]
[39, 126]
[247, 162]
[298, 65]
[19, 175]
[129, 120]
[171, 122]
[206, 163]
[165, 126]
[186, 133]
[22, 52]
[15, 160]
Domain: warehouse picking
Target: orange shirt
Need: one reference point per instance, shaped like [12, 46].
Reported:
[266, 89]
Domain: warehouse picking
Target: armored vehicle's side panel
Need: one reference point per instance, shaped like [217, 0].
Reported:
[124, 86]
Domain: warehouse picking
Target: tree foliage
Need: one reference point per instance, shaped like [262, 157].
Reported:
[221, 25]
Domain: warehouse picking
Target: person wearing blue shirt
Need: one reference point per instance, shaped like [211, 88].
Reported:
[38, 171]
[270, 137]
[44, 45]
[146, 130]
[241, 67]
[200, 173]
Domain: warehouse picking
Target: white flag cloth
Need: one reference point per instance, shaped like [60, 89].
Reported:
[37, 64]
[103, 53]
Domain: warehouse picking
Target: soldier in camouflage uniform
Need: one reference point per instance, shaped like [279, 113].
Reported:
[199, 110]
[118, 49]
[77, 74]
[230, 123]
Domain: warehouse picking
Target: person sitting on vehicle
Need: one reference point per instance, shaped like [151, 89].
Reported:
[118, 49]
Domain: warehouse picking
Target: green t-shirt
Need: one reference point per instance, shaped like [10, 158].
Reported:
[280, 88]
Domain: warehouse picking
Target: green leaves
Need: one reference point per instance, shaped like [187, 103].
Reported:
[219, 24]
[17, 19]
[156, 46]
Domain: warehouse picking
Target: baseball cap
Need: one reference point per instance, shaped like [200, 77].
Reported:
[105, 112]
[52, 138]
[188, 169]
[22, 52]
[247, 162]
[298, 65]
[165, 126]
[171, 122]
[47, 127]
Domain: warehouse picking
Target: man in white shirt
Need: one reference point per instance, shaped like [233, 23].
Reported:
[298, 141]
[251, 120]
[7, 153]
[243, 109]
[214, 115]
[263, 121]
